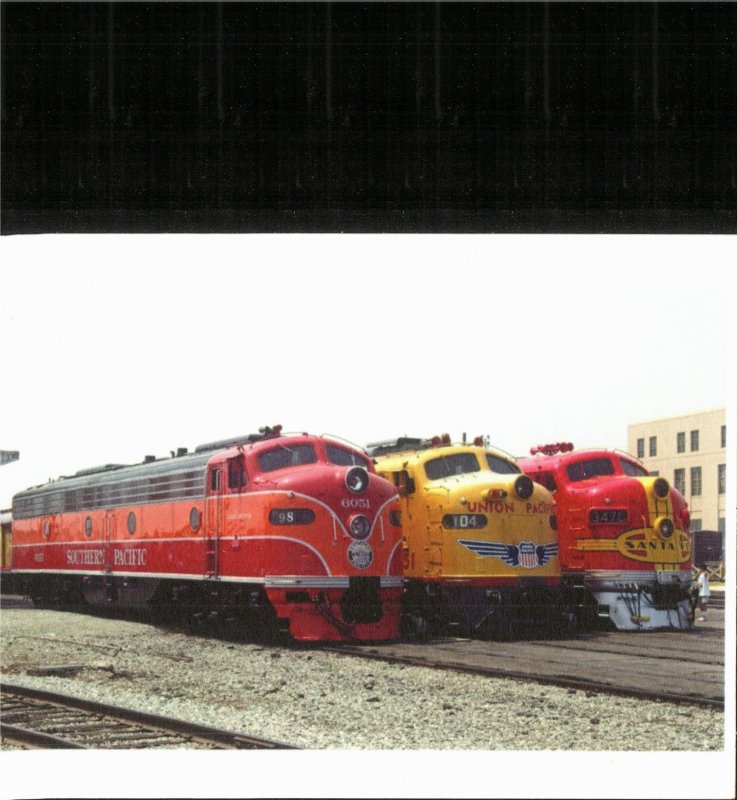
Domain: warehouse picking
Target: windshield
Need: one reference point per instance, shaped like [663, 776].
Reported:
[282, 456]
[591, 468]
[501, 465]
[630, 468]
[457, 464]
[345, 458]
[545, 479]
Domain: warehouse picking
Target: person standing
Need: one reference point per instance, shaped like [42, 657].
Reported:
[704, 593]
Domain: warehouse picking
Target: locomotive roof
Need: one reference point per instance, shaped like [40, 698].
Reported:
[112, 473]
[406, 446]
[400, 445]
[540, 461]
[107, 474]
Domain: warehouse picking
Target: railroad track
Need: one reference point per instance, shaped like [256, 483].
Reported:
[651, 666]
[32, 718]
[579, 684]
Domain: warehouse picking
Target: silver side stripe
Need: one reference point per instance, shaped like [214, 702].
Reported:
[272, 581]
[317, 582]
[110, 574]
[307, 581]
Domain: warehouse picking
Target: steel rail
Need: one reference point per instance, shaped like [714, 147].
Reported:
[204, 734]
[581, 684]
[37, 739]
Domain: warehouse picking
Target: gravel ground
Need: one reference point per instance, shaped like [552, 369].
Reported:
[320, 700]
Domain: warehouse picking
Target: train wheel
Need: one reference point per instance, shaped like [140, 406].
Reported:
[420, 629]
[497, 626]
[414, 627]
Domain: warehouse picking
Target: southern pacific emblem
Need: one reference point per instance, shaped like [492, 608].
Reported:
[524, 554]
[360, 554]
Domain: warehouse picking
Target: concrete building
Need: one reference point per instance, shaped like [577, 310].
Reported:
[691, 452]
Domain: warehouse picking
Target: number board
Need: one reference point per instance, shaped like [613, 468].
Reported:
[607, 516]
[291, 516]
[464, 521]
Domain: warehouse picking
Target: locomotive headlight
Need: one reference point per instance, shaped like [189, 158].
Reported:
[360, 527]
[357, 480]
[664, 526]
[661, 488]
[523, 487]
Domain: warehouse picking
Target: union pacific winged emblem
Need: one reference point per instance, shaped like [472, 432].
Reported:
[524, 554]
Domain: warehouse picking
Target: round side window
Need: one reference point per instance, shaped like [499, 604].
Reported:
[131, 523]
[88, 526]
[47, 529]
[194, 518]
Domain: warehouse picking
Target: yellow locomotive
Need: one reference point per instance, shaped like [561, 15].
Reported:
[7, 579]
[479, 538]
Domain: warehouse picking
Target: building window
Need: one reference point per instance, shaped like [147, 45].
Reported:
[679, 480]
[695, 525]
[641, 448]
[695, 481]
[722, 478]
[694, 441]
[653, 448]
[724, 435]
[681, 442]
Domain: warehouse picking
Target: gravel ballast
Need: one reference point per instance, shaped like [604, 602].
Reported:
[319, 700]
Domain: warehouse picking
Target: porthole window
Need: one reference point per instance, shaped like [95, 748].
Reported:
[88, 526]
[131, 523]
[194, 518]
[47, 529]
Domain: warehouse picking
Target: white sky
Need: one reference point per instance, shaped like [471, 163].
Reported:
[116, 347]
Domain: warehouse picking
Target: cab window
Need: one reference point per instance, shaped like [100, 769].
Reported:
[590, 468]
[501, 465]
[344, 458]
[236, 474]
[285, 456]
[456, 464]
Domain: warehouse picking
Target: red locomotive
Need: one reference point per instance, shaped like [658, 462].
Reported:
[625, 549]
[292, 530]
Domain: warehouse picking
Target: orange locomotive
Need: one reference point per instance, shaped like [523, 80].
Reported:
[625, 550]
[295, 531]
